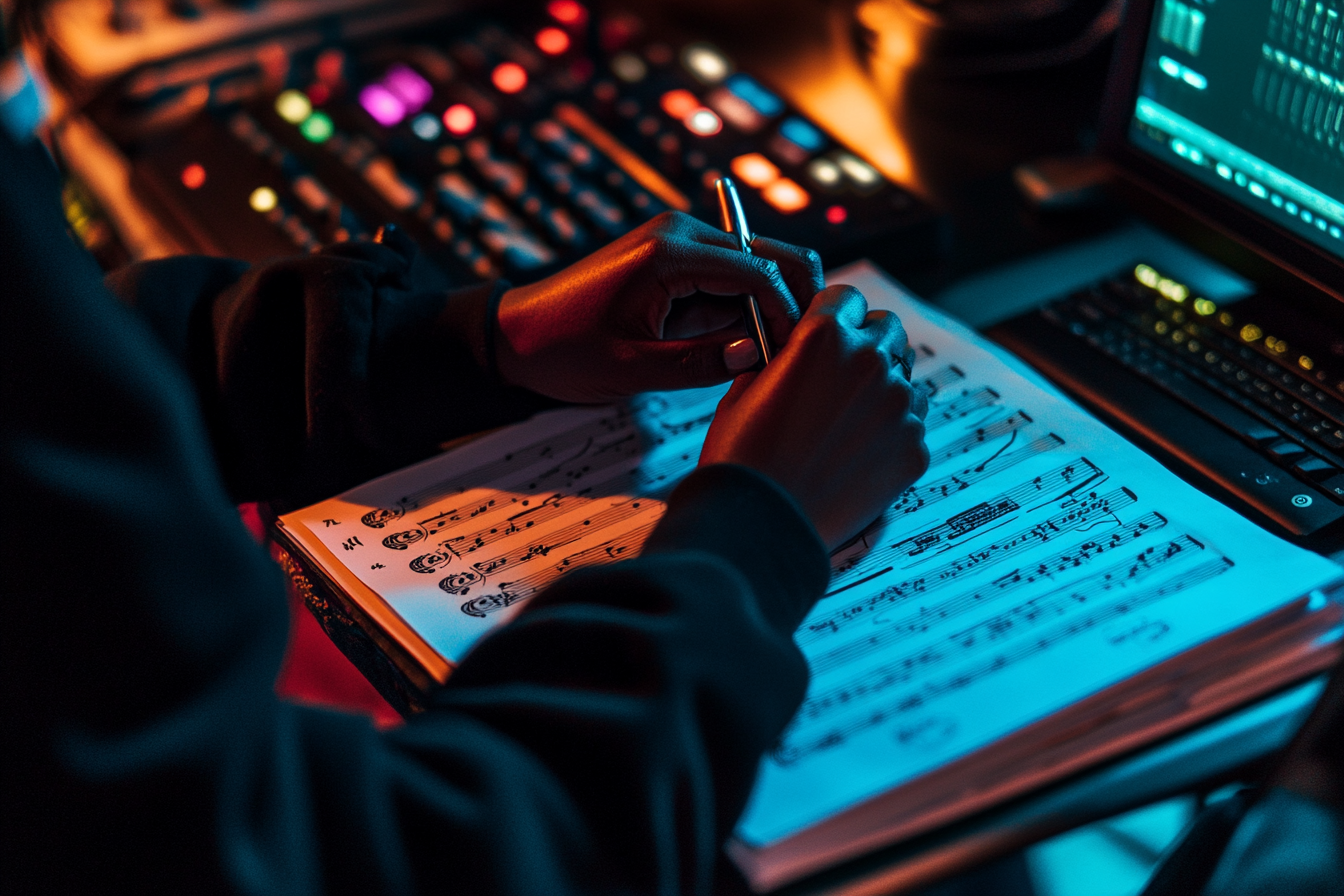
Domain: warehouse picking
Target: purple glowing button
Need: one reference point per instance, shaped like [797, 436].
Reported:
[408, 86]
[380, 102]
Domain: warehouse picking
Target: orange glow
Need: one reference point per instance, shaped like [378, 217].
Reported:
[836, 214]
[786, 196]
[567, 12]
[193, 176]
[552, 41]
[679, 103]
[509, 77]
[459, 119]
[754, 169]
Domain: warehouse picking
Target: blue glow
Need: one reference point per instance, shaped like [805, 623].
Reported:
[803, 134]
[753, 94]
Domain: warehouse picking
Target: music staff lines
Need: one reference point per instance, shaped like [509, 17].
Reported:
[1072, 557]
[788, 753]
[920, 495]
[981, 435]
[965, 404]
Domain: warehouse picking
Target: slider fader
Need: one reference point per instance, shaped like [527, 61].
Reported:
[511, 150]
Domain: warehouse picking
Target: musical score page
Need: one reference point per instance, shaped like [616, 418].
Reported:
[1040, 559]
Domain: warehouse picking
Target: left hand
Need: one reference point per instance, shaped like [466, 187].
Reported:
[656, 309]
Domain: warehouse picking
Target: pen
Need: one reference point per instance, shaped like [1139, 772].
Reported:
[735, 222]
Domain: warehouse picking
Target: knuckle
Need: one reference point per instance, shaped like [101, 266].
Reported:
[811, 258]
[870, 360]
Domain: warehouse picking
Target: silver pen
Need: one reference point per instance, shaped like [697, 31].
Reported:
[735, 222]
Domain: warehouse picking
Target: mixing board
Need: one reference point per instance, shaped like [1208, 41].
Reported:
[504, 149]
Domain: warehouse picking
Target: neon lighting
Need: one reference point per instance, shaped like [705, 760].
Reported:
[786, 196]
[409, 86]
[679, 103]
[703, 123]
[293, 106]
[567, 12]
[509, 77]
[459, 119]
[193, 176]
[836, 214]
[746, 88]
[263, 199]
[382, 105]
[803, 134]
[552, 41]
[706, 63]
[317, 128]
[754, 169]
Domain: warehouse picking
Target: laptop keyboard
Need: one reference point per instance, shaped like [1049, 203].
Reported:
[1284, 411]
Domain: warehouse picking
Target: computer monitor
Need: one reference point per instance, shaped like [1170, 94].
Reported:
[1242, 99]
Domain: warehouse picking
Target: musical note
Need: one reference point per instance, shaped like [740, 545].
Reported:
[965, 404]
[979, 436]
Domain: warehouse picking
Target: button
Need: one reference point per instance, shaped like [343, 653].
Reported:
[1335, 486]
[754, 169]
[786, 196]
[1285, 450]
[1316, 468]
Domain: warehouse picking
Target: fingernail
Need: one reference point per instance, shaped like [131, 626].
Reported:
[740, 355]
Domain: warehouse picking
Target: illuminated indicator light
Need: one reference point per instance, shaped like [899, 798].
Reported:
[426, 127]
[552, 41]
[1290, 207]
[1172, 290]
[193, 176]
[1320, 224]
[824, 172]
[317, 128]
[1250, 333]
[1276, 200]
[567, 12]
[382, 105]
[263, 199]
[1276, 345]
[1170, 66]
[1305, 216]
[802, 133]
[679, 103]
[1239, 179]
[1161, 328]
[409, 86]
[1306, 363]
[293, 106]
[629, 67]
[754, 169]
[1224, 170]
[1147, 276]
[836, 214]
[1258, 190]
[330, 66]
[857, 170]
[509, 77]
[1336, 232]
[706, 63]
[459, 119]
[1204, 307]
[786, 196]
[746, 88]
[703, 122]
[1194, 79]
[319, 93]
[1225, 319]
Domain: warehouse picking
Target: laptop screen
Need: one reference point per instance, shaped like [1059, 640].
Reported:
[1247, 97]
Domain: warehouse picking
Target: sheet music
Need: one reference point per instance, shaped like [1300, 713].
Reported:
[1040, 559]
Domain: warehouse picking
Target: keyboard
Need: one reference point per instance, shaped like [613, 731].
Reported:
[506, 150]
[1260, 419]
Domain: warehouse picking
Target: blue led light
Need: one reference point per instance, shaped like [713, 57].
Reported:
[747, 89]
[803, 134]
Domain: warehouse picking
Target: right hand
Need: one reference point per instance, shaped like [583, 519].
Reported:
[832, 419]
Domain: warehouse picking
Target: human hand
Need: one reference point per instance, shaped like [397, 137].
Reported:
[656, 309]
[832, 419]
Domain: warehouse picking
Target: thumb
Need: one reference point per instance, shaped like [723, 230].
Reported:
[689, 363]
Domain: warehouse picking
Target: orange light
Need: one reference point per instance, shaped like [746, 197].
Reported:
[754, 169]
[193, 176]
[567, 12]
[552, 41]
[459, 119]
[703, 123]
[786, 196]
[836, 214]
[509, 77]
[679, 103]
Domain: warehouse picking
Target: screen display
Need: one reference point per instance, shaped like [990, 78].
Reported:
[1247, 96]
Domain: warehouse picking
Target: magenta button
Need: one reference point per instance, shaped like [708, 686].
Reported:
[380, 102]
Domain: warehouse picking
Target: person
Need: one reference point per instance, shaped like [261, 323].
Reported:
[604, 741]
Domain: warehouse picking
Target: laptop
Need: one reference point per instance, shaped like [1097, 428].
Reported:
[1223, 120]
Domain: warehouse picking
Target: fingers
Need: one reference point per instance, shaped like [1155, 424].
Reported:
[801, 267]
[670, 364]
[845, 303]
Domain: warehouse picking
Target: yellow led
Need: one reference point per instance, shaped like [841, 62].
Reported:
[1250, 333]
[1225, 319]
[1305, 363]
[1161, 327]
[263, 199]
[1276, 345]
[1147, 276]
[1204, 307]
[1172, 290]
[293, 106]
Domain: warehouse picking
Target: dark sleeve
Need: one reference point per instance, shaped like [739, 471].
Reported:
[316, 373]
[604, 741]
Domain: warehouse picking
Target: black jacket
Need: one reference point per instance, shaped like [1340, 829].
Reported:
[606, 740]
